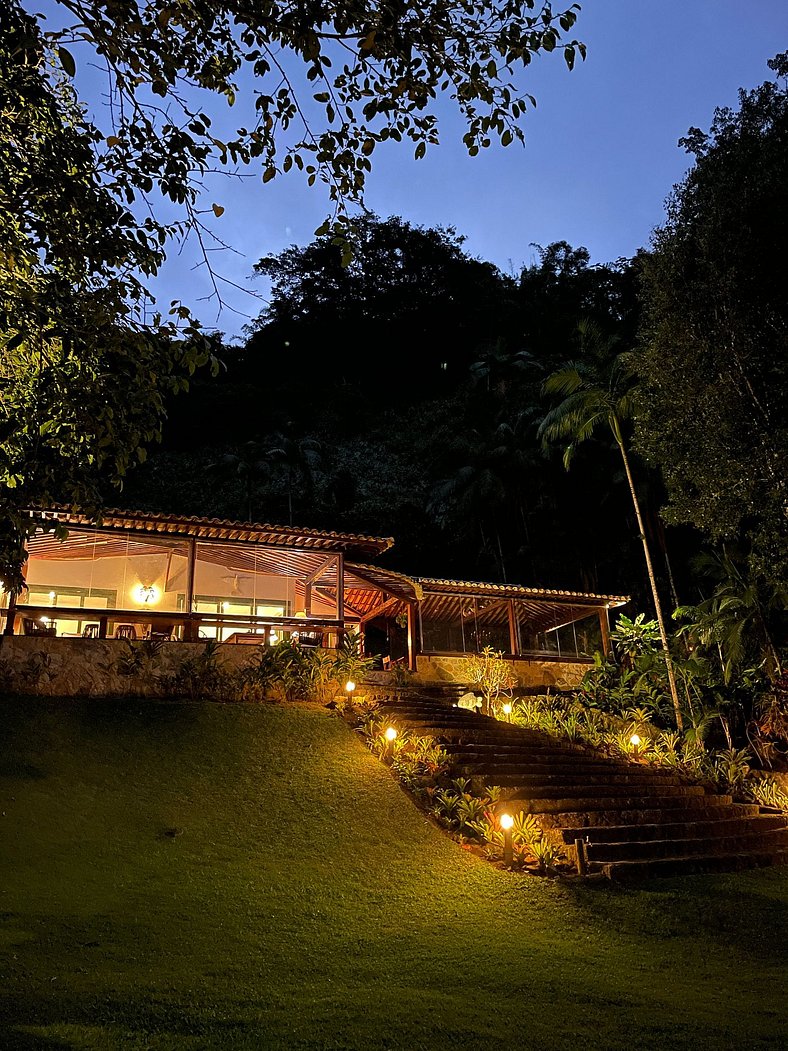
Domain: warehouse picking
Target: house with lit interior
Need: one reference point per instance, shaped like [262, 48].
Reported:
[183, 579]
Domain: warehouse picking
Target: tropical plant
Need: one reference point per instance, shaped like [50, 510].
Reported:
[767, 792]
[736, 625]
[350, 661]
[248, 466]
[136, 658]
[633, 638]
[732, 767]
[493, 676]
[202, 675]
[299, 458]
[771, 710]
[597, 390]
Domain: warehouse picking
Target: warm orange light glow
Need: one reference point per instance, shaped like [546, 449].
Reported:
[507, 709]
[391, 733]
[146, 594]
[506, 821]
[634, 740]
[350, 686]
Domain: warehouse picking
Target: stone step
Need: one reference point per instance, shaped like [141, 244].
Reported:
[722, 823]
[638, 821]
[472, 736]
[633, 871]
[549, 752]
[706, 846]
[580, 789]
[578, 768]
[707, 809]
[568, 777]
[555, 804]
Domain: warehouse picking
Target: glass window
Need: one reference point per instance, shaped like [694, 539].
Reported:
[115, 570]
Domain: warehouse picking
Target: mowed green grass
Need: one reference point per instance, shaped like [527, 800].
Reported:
[305, 903]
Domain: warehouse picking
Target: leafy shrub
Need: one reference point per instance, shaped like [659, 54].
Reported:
[6, 675]
[732, 767]
[202, 676]
[37, 669]
[492, 676]
[137, 658]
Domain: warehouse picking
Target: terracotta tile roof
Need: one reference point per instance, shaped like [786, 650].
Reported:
[220, 529]
[470, 587]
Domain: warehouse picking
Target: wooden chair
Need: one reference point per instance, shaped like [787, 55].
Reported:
[35, 627]
[161, 633]
[125, 631]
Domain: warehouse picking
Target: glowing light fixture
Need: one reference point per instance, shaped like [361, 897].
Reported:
[272, 637]
[350, 686]
[507, 711]
[635, 742]
[507, 821]
[52, 596]
[225, 606]
[146, 594]
[391, 734]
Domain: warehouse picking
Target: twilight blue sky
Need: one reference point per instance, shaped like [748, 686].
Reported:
[600, 154]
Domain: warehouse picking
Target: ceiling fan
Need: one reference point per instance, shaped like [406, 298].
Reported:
[234, 580]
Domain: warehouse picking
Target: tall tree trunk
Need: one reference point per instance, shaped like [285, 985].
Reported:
[500, 555]
[653, 581]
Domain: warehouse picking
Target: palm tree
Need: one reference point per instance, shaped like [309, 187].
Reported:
[249, 466]
[737, 621]
[300, 458]
[597, 390]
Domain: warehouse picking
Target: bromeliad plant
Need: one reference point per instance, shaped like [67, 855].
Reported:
[422, 765]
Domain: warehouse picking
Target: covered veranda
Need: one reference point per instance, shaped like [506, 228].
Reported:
[142, 576]
[153, 576]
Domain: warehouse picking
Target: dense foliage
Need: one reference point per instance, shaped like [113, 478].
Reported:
[82, 380]
[713, 412]
[85, 374]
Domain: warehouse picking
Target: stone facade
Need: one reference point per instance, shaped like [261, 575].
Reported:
[55, 667]
[533, 673]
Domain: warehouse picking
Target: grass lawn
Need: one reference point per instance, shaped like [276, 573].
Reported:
[208, 876]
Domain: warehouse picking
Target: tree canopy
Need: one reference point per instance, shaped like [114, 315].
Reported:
[82, 379]
[330, 80]
[410, 307]
[85, 371]
[713, 402]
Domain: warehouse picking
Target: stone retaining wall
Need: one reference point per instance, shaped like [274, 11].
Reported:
[56, 667]
[89, 667]
[558, 674]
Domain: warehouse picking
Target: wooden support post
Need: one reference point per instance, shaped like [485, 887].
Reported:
[191, 629]
[581, 857]
[340, 597]
[411, 612]
[604, 627]
[513, 647]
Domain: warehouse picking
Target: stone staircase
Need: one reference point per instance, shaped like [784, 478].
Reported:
[633, 820]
